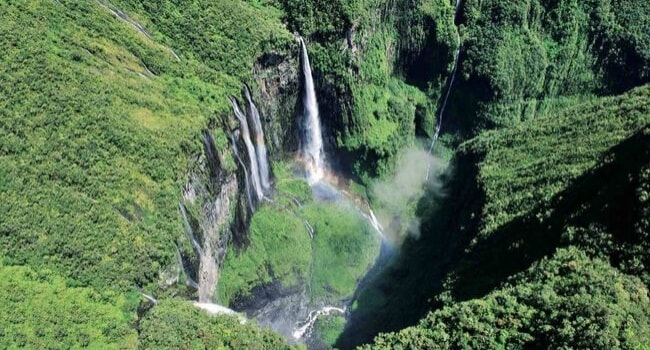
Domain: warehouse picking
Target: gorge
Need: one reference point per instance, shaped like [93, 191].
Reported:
[364, 174]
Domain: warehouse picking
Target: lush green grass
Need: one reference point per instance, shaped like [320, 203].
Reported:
[281, 249]
[344, 248]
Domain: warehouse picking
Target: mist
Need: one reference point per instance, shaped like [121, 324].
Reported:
[397, 196]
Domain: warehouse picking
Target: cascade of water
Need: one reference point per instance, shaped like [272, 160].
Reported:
[450, 85]
[312, 318]
[258, 134]
[150, 298]
[311, 143]
[190, 231]
[247, 184]
[245, 134]
[216, 309]
[188, 280]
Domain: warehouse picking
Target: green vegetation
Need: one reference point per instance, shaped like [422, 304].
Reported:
[566, 301]
[279, 250]
[522, 56]
[100, 125]
[539, 238]
[329, 328]
[344, 248]
[39, 311]
[283, 256]
[575, 179]
[377, 92]
[175, 324]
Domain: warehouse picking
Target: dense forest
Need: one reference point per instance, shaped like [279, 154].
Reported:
[504, 146]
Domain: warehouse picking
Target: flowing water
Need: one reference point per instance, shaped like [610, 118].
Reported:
[258, 135]
[190, 232]
[450, 85]
[252, 154]
[308, 325]
[247, 184]
[311, 145]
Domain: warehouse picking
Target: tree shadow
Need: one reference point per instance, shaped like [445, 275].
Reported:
[401, 294]
[604, 199]
[444, 259]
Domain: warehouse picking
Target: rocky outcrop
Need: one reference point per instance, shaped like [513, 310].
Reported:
[210, 198]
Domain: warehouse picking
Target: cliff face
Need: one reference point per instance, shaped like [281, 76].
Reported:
[277, 76]
[377, 66]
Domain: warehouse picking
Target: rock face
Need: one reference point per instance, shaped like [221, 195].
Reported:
[209, 198]
[277, 76]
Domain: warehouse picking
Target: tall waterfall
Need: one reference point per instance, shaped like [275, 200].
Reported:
[252, 155]
[190, 231]
[450, 85]
[247, 184]
[258, 135]
[311, 142]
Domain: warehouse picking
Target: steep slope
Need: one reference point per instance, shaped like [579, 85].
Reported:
[575, 178]
[102, 114]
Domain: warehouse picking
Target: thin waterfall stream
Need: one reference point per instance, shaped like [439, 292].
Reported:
[450, 85]
[258, 136]
[322, 181]
[252, 154]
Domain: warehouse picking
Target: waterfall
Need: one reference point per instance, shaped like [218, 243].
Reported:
[312, 318]
[258, 136]
[450, 85]
[188, 280]
[247, 183]
[311, 145]
[190, 231]
[252, 155]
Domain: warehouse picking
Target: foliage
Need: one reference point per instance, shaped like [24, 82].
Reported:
[373, 93]
[328, 329]
[98, 122]
[176, 324]
[566, 301]
[283, 255]
[344, 248]
[519, 194]
[518, 54]
[279, 251]
[39, 311]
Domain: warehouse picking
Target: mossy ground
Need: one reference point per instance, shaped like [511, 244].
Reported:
[282, 250]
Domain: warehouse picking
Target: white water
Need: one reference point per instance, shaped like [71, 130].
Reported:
[311, 147]
[188, 280]
[258, 133]
[300, 332]
[150, 298]
[247, 183]
[374, 222]
[190, 231]
[215, 309]
[252, 155]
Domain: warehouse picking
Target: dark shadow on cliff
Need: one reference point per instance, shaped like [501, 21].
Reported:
[602, 203]
[443, 263]
[401, 294]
